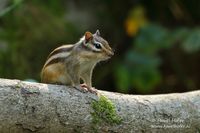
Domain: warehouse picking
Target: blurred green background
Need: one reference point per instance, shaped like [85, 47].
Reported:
[156, 43]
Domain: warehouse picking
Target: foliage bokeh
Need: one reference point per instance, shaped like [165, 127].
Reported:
[156, 43]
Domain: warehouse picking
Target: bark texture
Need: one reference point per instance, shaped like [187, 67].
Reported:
[43, 108]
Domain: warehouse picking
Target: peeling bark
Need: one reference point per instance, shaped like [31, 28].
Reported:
[44, 108]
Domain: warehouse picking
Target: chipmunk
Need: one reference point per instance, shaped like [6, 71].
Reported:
[68, 64]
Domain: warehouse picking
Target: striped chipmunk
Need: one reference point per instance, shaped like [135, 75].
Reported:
[68, 64]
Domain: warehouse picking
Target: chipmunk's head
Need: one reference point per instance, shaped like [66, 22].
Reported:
[97, 47]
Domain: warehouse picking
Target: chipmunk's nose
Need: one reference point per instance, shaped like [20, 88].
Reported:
[111, 53]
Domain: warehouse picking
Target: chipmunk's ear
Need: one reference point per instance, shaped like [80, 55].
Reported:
[88, 36]
[97, 33]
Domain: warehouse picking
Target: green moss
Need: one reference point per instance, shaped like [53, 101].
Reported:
[104, 111]
[18, 85]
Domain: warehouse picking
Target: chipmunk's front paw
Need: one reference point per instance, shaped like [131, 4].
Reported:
[81, 89]
[90, 89]
[93, 90]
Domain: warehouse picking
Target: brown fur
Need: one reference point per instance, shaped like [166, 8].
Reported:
[68, 63]
[54, 73]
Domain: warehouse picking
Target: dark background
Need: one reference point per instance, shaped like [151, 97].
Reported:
[156, 43]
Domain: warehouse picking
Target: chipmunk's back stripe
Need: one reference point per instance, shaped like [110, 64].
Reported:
[62, 49]
[54, 61]
[56, 57]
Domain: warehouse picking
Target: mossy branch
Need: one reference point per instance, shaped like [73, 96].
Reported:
[35, 107]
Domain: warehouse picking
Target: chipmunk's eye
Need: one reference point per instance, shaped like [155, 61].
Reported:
[97, 45]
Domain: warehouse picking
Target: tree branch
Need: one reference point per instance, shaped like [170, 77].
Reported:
[42, 108]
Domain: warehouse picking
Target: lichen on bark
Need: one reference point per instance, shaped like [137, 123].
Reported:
[104, 111]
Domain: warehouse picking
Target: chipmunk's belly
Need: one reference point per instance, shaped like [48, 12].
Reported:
[56, 73]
